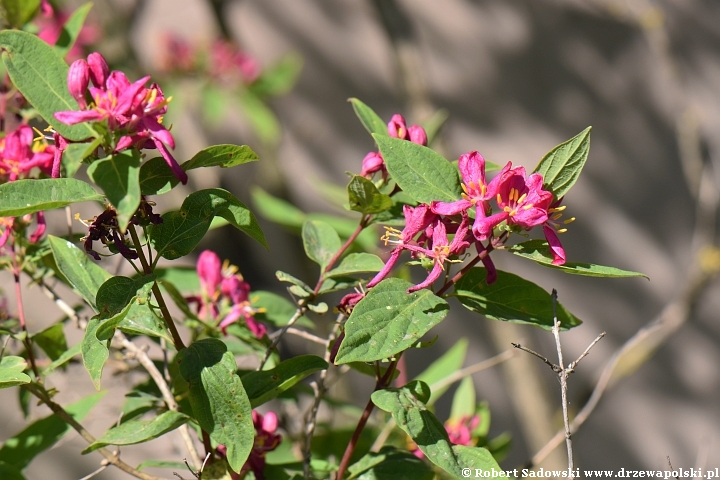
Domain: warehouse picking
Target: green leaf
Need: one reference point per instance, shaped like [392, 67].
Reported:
[464, 403]
[389, 320]
[156, 177]
[11, 369]
[224, 156]
[450, 362]
[140, 319]
[74, 155]
[538, 251]
[62, 359]
[41, 76]
[390, 464]
[511, 299]
[32, 195]
[19, 12]
[261, 117]
[71, 30]
[357, 263]
[420, 172]
[321, 242]
[218, 399]
[181, 231]
[94, 352]
[562, 165]
[161, 464]
[42, 434]
[8, 472]
[185, 279]
[278, 79]
[407, 406]
[265, 385]
[139, 431]
[365, 198]
[370, 120]
[275, 309]
[84, 275]
[119, 177]
[52, 341]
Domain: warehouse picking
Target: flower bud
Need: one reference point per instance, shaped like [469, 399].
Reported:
[417, 135]
[397, 128]
[78, 79]
[99, 70]
[373, 162]
[209, 269]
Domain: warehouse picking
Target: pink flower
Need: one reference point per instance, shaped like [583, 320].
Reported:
[131, 109]
[522, 200]
[417, 219]
[177, 54]
[78, 81]
[51, 26]
[460, 430]
[398, 129]
[224, 290]
[228, 64]
[18, 154]
[373, 162]
[553, 223]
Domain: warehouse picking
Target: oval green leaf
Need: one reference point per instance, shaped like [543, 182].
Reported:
[218, 399]
[421, 172]
[33, 195]
[265, 385]
[224, 156]
[41, 76]
[562, 165]
[321, 241]
[370, 120]
[512, 299]
[364, 197]
[139, 431]
[71, 30]
[389, 320]
[538, 251]
[11, 369]
[357, 263]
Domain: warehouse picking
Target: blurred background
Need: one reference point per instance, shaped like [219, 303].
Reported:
[513, 78]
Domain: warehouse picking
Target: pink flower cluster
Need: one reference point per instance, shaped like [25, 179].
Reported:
[373, 161]
[521, 203]
[19, 155]
[221, 286]
[128, 109]
[227, 64]
[459, 432]
[266, 440]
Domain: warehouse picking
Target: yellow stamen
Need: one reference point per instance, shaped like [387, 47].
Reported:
[569, 220]
[499, 198]
[462, 185]
[562, 230]
[465, 197]
[523, 197]
[528, 206]
[558, 209]
[483, 189]
[556, 216]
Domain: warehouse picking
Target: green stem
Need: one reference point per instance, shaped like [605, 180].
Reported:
[148, 270]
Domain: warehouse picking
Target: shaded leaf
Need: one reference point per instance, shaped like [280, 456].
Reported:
[538, 251]
[278, 79]
[33, 195]
[562, 165]
[52, 341]
[71, 30]
[422, 173]
[407, 406]
[511, 298]
[139, 431]
[265, 385]
[218, 399]
[390, 464]
[156, 177]
[321, 242]
[357, 263]
[364, 197]
[41, 76]
[119, 177]
[19, 12]
[181, 231]
[389, 320]
[84, 275]
[11, 371]
[42, 434]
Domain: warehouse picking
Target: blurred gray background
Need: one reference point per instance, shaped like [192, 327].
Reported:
[516, 77]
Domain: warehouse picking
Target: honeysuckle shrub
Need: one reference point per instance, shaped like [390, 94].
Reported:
[85, 133]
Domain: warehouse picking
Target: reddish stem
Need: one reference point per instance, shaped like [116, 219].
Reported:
[361, 226]
[379, 385]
